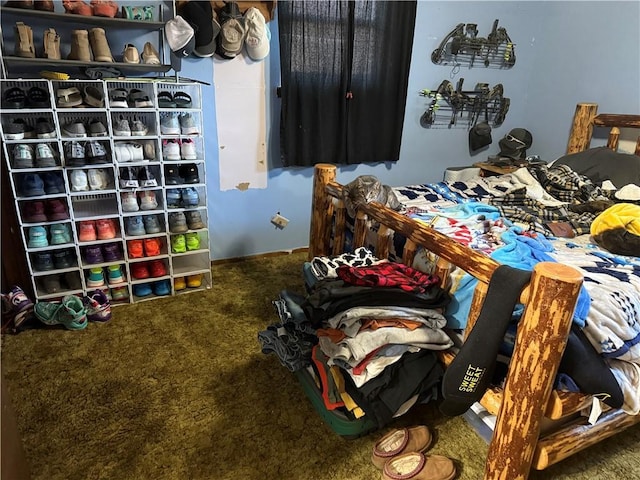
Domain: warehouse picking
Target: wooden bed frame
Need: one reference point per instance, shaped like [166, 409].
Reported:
[528, 399]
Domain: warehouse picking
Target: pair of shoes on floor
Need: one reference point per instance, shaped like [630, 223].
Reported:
[400, 455]
[69, 312]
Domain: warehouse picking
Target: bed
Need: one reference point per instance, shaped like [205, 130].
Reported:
[527, 403]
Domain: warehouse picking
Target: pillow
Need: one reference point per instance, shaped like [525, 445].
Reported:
[602, 163]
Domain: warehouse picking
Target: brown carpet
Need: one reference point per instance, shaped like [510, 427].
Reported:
[177, 388]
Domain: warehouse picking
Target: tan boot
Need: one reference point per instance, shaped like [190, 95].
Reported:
[51, 41]
[80, 49]
[24, 41]
[99, 45]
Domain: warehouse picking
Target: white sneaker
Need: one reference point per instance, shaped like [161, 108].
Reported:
[45, 156]
[188, 149]
[79, 181]
[23, 156]
[171, 149]
[129, 202]
[128, 152]
[138, 128]
[97, 179]
[148, 200]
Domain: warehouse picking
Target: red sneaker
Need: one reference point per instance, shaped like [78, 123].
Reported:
[140, 270]
[134, 248]
[152, 247]
[157, 268]
[87, 231]
[106, 228]
[104, 8]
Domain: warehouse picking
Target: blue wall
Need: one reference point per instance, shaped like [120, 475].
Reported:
[567, 52]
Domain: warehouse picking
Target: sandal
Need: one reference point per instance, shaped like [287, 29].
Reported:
[118, 98]
[165, 100]
[139, 99]
[14, 98]
[38, 97]
[93, 96]
[182, 100]
[69, 97]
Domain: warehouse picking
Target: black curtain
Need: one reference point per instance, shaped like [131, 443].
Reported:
[344, 68]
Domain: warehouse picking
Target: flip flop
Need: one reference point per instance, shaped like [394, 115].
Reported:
[69, 97]
[182, 100]
[38, 97]
[14, 98]
[165, 100]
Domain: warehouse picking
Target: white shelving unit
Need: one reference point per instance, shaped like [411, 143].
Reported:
[74, 259]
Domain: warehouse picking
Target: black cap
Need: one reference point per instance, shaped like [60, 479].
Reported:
[480, 136]
[515, 143]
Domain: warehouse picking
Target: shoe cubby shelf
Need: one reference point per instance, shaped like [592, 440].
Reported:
[147, 189]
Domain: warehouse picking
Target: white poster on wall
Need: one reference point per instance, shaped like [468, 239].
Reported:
[240, 113]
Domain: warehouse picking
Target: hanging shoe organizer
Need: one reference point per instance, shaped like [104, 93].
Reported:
[450, 107]
[463, 46]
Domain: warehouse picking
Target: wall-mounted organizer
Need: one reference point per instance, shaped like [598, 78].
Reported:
[450, 107]
[108, 181]
[463, 46]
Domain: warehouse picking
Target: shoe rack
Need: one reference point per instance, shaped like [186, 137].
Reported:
[68, 203]
[64, 23]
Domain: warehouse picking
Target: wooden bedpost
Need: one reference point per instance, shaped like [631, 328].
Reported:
[582, 128]
[540, 343]
[321, 209]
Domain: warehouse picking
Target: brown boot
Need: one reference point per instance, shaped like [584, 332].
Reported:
[51, 42]
[99, 45]
[24, 41]
[80, 49]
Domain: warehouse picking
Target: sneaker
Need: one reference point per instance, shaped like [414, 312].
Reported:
[93, 255]
[95, 278]
[152, 247]
[178, 244]
[129, 202]
[37, 237]
[97, 129]
[31, 185]
[179, 283]
[79, 181]
[190, 197]
[119, 293]
[157, 268]
[177, 222]
[51, 283]
[22, 156]
[188, 149]
[16, 128]
[95, 152]
[149, 150]
[112, 252]
[172, 175]
[60, 233]
[151, 224]
[56, 209]
[171, 149]
[130, 54]
[97, 179]
[146, 178]
[128, 152]
[74, 129]
[71, 312]
[53, 183]
[17, 305]
[150, 55]
[114, 274]
[169, 124]
[140, 270]
[188, 125]
[148, 200]
[194, 220]
[163, 287]
[33, 212]
[192, 241]
[87, 231]
[138, 128]
[97, 306]
[106, 228]
[142, 290]
[64, 259]
[135, 226]
[128, 178]
[74, 154]
[72, 279]
[189, 172]
[45, 129]
[122, 128]
[42, 261]
[174, 198]
[45, 157]
[135, 248]
[194, 281]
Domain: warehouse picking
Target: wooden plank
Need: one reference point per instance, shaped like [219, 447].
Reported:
[617, 120]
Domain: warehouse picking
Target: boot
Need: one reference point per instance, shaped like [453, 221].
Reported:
[80, 46]
[24, 41]
[51, 42]
[99, 45]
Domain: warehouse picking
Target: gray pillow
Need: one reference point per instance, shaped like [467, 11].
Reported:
[601, 163]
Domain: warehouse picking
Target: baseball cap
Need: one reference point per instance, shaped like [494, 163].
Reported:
[480, 136]
[200, 16]
[180, 36]
[258, 34]
[515, 143]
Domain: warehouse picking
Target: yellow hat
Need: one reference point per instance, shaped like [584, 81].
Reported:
[621, 215]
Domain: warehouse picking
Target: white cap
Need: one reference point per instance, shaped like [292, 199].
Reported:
[258, 34]
[180, 36]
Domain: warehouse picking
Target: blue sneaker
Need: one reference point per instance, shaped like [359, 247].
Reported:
[190, 197]
[32, 185]
[60, 233]
[135, 225]
[142, 290]
[163, 287]
[38, 237]
[169, 124]
[173, 198]
[42, 261]
[53, 183]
